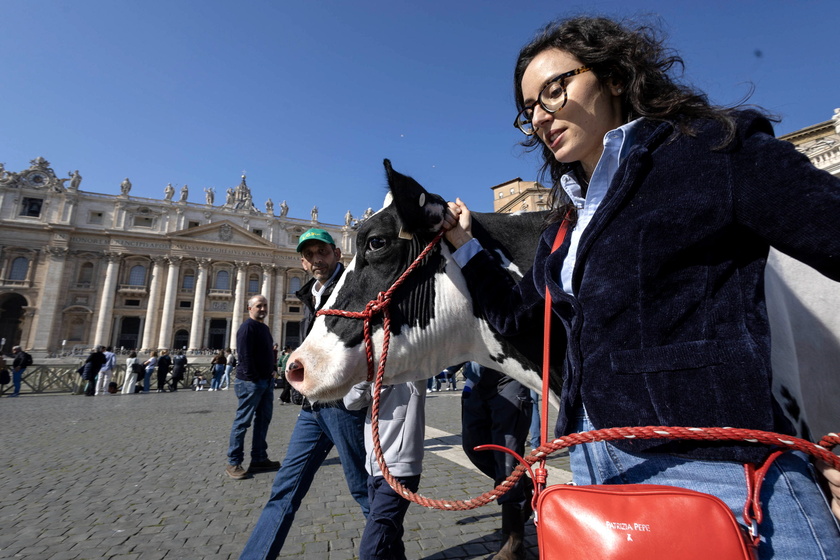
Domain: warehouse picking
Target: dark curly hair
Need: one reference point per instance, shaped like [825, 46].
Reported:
[635, 57]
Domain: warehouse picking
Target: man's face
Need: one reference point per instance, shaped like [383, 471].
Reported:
[258, 308]
[320, 259]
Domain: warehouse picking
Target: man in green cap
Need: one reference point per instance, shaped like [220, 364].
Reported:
[319, 427]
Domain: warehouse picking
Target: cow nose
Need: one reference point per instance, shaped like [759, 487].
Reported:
[294, 373]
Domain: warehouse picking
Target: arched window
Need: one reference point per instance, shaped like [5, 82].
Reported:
[20, 266]
[85, 274]
[294, 284]
[188, 283]
[253, 284]
[137, 275]
[223, 280]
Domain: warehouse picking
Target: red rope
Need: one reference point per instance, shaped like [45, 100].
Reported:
[381, 304]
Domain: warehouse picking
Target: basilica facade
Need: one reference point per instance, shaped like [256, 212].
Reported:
[79, 268]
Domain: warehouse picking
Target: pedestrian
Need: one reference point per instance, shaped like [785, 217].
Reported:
[402, 431]
[150, 365]
[5, 375]
[319, 427]
[657, 292]
[164, 365]
[498, 411]
[285, 386]
[179, 369]
[133, 368]
[90, 369]
[230, 363]
[21, 360]
[254, 388]
[218, 364]
[103, 378]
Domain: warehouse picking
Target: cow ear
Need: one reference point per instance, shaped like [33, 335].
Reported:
[418, 209]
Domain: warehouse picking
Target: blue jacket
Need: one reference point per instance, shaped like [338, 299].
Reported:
[669, 324]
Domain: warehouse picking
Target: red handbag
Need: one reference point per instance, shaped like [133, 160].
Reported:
[636, 521]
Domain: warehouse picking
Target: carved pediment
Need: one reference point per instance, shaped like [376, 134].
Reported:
[222, 232]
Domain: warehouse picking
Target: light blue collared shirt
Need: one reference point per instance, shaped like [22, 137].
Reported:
[616, 145]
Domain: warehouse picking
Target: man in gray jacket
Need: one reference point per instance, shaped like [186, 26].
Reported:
[402, 431]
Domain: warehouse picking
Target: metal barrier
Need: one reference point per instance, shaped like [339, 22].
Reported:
[64, 378]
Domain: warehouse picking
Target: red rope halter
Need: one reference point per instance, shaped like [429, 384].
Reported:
[382, 303]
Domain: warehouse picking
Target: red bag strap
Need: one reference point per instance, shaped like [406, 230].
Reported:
[558, 241]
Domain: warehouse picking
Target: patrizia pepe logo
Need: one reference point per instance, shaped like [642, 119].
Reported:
[630, 528]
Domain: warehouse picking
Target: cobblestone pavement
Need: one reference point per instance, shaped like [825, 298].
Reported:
[142, 477]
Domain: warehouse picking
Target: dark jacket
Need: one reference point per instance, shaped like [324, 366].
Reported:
[669, 324]
[164, 364]
[255, 347]
[92, 365]
[305, 296]
[309, 310]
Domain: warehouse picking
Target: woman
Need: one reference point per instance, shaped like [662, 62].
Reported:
[673, 205]
[150, 369]
[219, 362]
[229, 365]
[130, 374]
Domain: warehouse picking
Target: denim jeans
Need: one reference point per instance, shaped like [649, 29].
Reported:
[147, 379]
[797, 520]
[382, 539]
[315, 433]
[256, 403]
[225, 383]
[218, 371]
[17, 378]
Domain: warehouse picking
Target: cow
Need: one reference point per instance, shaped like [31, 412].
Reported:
[434, 323]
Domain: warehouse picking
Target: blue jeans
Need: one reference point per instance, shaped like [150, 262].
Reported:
[382, 539]
[147, 379]
[536, 415]
[797, 520]
[256, 403]
[316, 432]
[17, 378]
[218, 371]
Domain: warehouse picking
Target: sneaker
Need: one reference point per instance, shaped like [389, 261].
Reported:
[236, 472]
[267, 465]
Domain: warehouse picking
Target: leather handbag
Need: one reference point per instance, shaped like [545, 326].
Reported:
[637, 521]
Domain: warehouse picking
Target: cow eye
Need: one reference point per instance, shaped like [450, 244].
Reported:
[376, 243]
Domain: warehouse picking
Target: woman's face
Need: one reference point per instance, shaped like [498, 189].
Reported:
[575, 132]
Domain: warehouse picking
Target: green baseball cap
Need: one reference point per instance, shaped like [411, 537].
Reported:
[314, 234]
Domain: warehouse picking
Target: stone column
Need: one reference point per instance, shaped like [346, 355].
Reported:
[265, 288]
[238, 301]
[152, 305]
[278, 303]
[102, 334]
[196, 328]
[44, 323]
[168, 316]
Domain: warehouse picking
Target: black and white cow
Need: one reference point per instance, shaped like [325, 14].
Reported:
[434, 323]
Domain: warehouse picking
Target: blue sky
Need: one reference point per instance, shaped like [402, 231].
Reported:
[308, 97]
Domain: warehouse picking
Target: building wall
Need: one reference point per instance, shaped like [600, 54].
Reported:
[79, 268]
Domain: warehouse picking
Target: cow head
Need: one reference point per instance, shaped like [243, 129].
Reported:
[433, 322]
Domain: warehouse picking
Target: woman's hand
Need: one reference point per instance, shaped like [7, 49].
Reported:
[832, 475]
[457, 223]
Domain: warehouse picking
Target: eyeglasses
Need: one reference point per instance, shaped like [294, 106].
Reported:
[552, 98]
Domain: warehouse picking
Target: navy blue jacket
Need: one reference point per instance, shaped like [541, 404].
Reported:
[669, 324]
[255, 347]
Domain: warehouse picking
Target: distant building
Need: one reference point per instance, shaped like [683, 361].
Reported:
[519, 196]
[79, 268]
[821, 143]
